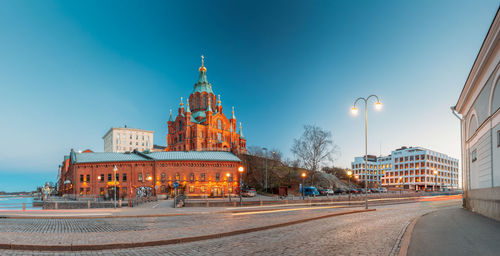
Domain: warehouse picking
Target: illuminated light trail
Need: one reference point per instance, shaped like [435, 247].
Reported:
[286, 210]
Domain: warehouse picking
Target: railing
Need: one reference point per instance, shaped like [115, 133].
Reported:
[13, 206]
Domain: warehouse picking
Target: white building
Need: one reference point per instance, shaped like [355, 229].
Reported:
[479, 107]
[412, 168]
[127, 139]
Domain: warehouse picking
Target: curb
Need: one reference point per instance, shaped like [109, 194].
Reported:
[405, 243]
[89, 247]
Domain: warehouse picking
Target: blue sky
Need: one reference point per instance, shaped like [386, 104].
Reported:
[71, 70]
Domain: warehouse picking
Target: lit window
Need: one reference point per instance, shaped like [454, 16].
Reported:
[202, 177]
[139, 177]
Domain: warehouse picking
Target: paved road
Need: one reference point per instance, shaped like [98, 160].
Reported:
[455, 232]
[370, 233]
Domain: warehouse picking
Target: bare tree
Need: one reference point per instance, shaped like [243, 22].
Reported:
[313, 149]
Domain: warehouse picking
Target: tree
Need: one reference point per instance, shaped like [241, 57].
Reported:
[313, 149]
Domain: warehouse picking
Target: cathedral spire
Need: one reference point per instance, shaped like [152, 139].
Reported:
[188, 108]
[241, 132]
[209, 108]
[170, 119]
[203, 68]
[182, 104]
[234, 117]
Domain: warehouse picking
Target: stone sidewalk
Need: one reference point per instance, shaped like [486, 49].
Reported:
[455, 232]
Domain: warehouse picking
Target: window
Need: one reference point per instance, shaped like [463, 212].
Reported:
[81, 177]
[124, 177]
[163, 177]
[102, 178]
[81, 191]
[217, 176]
[191, 177]
[124, 191]
[101, 190]
[498, 138]
[219, 124]
[202, 177]
[203, 189]
[88, 178]
[163, 189]
[474, 155]
[191, 189]
[230, 177]
[177, 176]
[139, 177]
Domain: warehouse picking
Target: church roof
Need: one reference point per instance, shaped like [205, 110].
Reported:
[166, 156]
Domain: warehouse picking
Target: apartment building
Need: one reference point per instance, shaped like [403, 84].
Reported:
[127, 139]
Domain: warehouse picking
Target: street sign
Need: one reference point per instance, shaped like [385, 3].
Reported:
[176, 184]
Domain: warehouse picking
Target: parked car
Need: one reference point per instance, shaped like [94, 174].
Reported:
[310, 191]
[251, 192]
[383, 190]
[322, 192]
[329, 191]
[339, 191]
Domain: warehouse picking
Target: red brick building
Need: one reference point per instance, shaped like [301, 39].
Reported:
[199, 173]
[202, 126]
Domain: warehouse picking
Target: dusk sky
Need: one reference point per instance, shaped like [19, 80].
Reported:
[71, 70]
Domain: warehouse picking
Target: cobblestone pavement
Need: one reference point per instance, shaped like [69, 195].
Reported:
[370, 233]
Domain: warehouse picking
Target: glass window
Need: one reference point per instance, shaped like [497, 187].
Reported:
[163, 177]
[102, 178]
[217, 176]
[191, 177]
[202, 177]
[117, 176]
[81, 177]
[110, 177]
[124, 177]
[219, 124]
[139, 177]
[177, 176]
[88, 178]
[81, 191]
[191, 189]
[474, 155]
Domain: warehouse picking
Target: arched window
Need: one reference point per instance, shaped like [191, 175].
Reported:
[473, 125]
[495, 98]
[163, 177]
[219, 124]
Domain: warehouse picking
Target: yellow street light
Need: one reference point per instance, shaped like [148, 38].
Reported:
[354, 110]
[349, 173]
[378, 105]
[303, 174]
[241, 169]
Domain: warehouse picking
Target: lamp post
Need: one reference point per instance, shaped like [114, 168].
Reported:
[115, 170]
[265, 180]
[303, 175]
[349, 174]
[354, 110]
[228, 183]
[435, 180]
[241, 169]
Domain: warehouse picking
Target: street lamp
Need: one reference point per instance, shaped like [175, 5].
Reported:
[241, 169]
[354, 110]
[228, 192]
[115, 170]
[265, 181]
[303, 175]
[435, 180]
[349, 174]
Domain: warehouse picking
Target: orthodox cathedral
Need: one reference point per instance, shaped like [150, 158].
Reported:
[201, 125]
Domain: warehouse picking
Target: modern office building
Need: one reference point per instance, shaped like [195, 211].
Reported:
[125, 139]
[412, 168]
[479, 107]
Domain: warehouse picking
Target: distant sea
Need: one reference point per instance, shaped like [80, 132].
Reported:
[16, 203]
